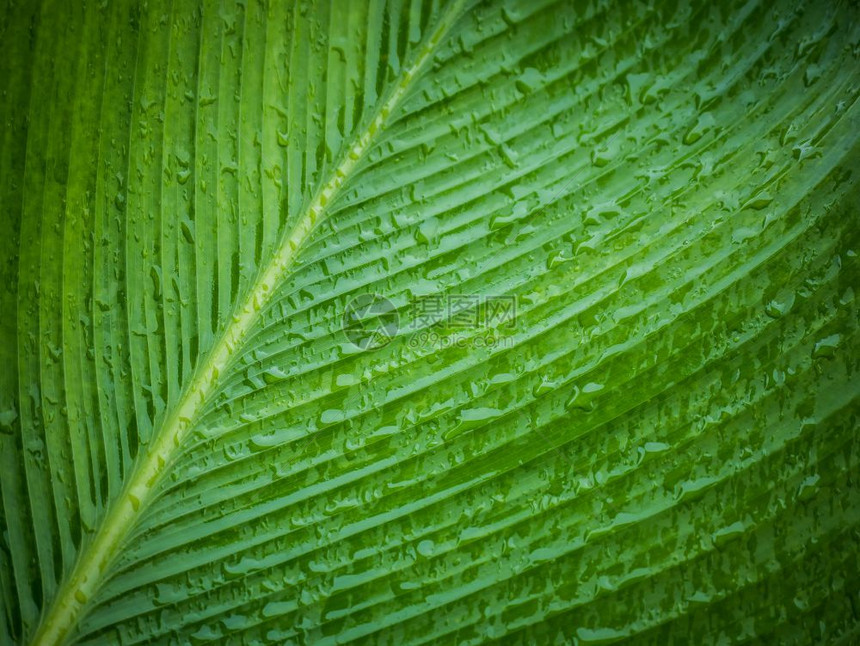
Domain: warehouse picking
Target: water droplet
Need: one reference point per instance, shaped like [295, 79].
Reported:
[426, 547]
[274, 375]
[781, 305]
[703, 125]
[812, 74]
[187, 231]
[332, 416]
[826, 347]
[759, 201]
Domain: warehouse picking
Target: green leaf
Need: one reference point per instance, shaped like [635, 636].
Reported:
[429, 322]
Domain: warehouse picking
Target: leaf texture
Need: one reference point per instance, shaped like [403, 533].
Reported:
[663, 448]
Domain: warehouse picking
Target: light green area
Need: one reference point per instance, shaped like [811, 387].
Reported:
[666, 447]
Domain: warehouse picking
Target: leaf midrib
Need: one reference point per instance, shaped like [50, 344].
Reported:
[95, 558]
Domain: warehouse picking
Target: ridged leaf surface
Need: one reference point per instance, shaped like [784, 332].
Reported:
[662, 447]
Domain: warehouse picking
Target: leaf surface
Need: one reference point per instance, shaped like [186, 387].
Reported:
[662, 443]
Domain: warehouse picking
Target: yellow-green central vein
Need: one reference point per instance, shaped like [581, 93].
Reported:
[87, 575]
